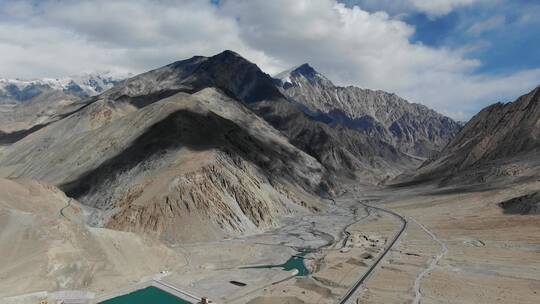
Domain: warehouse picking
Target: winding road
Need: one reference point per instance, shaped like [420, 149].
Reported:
[66, 206]
[371, 269]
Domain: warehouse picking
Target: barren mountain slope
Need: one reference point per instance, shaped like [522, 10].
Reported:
[344, 152]
[411, 128]
[43, 249]
[186, 167]
[227, 71]
[339, 150]
[502, 137]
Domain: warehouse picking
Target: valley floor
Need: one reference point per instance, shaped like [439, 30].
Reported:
[458, 247]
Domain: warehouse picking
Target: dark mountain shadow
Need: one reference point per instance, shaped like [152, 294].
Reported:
[145, 100]
[15, 136]
[195, 131]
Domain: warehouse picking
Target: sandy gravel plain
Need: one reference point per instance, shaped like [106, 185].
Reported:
[491, 257]
[458, 247]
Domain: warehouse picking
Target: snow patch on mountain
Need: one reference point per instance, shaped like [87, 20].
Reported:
[84, 85]
[289, 77]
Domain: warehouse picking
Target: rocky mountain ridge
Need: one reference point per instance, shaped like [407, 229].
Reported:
[503, 137]
[337, 149]
[412, 128]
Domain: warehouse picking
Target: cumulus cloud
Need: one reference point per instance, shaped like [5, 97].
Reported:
[55, 38]
[432, 8]
[348, 44]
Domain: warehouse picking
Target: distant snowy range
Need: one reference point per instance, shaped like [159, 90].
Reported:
[84, 85]
[26, 105]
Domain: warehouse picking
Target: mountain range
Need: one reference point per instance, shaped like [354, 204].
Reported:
[84, 85]
[411, 128]
[211, 147]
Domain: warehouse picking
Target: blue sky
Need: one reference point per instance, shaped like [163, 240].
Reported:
[455, 56]
[507, 44]
[503, 35]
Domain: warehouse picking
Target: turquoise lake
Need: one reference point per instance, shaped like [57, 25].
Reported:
[149, 295]
[295, 262]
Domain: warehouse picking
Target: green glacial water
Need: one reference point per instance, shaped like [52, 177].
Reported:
[295, 262]
[149, 295]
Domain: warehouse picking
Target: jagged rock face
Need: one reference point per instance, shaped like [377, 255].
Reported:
[344, 152]
[226, 196]
[187, 167]
[498, 132]
[411, 128]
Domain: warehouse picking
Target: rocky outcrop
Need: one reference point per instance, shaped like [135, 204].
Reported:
[226, 196]
[410, 128]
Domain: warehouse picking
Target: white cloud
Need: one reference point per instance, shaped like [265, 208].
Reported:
[437, 8]
[432, 8]
[461, 96]
[64, 37]
[487, 25]
[348, 44]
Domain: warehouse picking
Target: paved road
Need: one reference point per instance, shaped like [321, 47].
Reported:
[345, 299]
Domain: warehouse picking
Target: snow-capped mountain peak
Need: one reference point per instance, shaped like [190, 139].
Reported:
[290, 77]
[83, 85]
